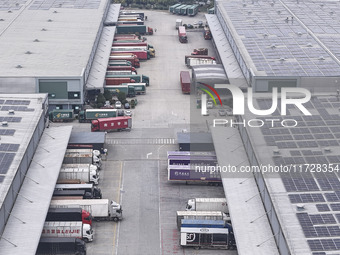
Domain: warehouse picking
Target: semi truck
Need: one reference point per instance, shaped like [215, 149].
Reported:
[184, 10]
[141, 54]
[132, 58]
[88, 115]
[151, 51]
[140, 88]
[132, 13]
[132, 43]
[68, 229]
[130, 22]
[193, 10]
[65, 194]
[121, 68]
[69, 214]
[83, 156]
[185, 81]
[100, 209]
[172, 7]
[118, 81]
[182, 35]
[114, 63]
[111, 124]
[62, 245]
[87, 173]
[207, 33]
[90, 190]
[59, 115]
[207, 204]
[178, 23]
[118, 72]
[125, 37]
[137, 78]
[115, 89]
[196, 56]
[200, 51]
[178, 8]
[132, 29]
[201, 215]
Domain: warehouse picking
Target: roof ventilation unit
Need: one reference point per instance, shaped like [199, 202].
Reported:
[28, 52]
[331, 12]
[244, 5]
[36, 40]
[55, 12]
[299, 33]
[11, 111]
[276, 153]
[265, 35]
[282, 59]
[309, 45]
[278, 12]
[9, 11]
[18, 66]
[327, 149]
[49, 20]
[2, 20]
[300, 207]
[255, 21]
[250, 12]
[321, 58]
[43, 29]
[273, 46]
[4, 123]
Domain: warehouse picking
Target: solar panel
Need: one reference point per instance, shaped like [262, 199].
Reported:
[322, 207]
[306, 198]
[17, 102]
[9, 147]
[16, 108]
[335, 207]
[10, 119]
[324, 244]
[5, 161]
[7, 131]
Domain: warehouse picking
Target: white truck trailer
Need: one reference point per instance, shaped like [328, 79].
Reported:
[82, 156]
[100, 209]
[82, 172]
[207, 204]
[68, 229]
[201, 215]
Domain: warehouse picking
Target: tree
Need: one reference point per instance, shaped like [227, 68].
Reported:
[101, 99]
[121, 96]
[107, 95]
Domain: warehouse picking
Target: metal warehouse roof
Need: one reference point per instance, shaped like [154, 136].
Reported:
[48, 38]
[199, 137]
[286, 38]
[16, 135]
[307, 199]
[250, 223]
[30, 209]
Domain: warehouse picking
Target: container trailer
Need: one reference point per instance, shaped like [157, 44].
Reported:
[112, 124]
[62, 245]
[91, 191]
[88, 115]
[59, 115]
[207, 204]
[69, 214]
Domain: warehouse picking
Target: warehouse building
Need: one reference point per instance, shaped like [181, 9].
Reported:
[283, 44]
[54, 47]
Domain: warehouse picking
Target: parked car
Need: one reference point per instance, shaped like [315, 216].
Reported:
[120, 112]
[200, 23]
[190, 26]
[128, 113]
[210, 105]
[222, 112]
[118, 105]
[127, 106]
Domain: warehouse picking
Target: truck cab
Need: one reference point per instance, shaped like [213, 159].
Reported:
[115, 211]
[191, 205]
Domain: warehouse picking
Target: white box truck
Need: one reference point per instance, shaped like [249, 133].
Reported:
[178, 23]
[100, 209]
[68, 229]
[207, 204]
[201, 215]
[82, 172]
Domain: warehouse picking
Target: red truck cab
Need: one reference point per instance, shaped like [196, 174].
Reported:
[182, 35]
[185, 81]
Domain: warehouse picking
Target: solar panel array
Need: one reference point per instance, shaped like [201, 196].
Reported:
[315, 140]
[75, 4]
[279, 45]
[6, 5]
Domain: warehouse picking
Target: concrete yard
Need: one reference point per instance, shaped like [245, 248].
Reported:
[134, 173]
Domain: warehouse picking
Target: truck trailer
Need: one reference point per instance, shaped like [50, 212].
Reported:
[118, 72]
[100, 209]
[150, 51]
[59, 115]
[184, 78]
[132, 58]
[125, 43]
[69, 214]
[68, 229]
[208, 204]
[137, 78]
[121, 68]
[90, 190]
[111, 124]
[141, 54]
[140, 88]
[87, 173]
[193, 10]
[132, 29]
[201, 215]
[88, 115]
[118, 81]
[182, 35]
[62, 245]
[82, 156]
[115, 89]
[172, 7]
[114, 63]
[207, 33]
[64, 194]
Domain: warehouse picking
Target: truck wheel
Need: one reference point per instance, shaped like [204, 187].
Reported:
[115, 219]
[86, 240]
